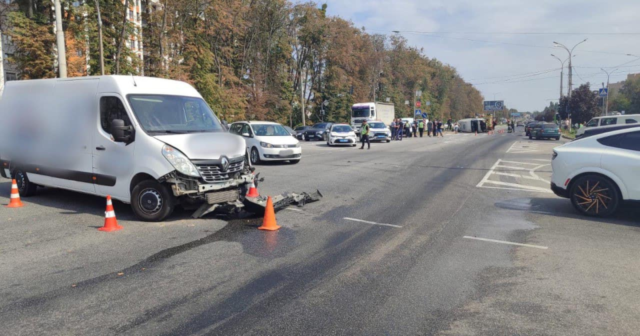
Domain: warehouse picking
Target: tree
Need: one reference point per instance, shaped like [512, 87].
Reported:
[33, 43]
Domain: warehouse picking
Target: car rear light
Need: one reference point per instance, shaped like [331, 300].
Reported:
[554, 156]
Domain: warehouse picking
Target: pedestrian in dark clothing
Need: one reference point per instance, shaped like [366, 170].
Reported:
[440, 129]
[421, 127]
[429, 127]
[449, 124]
[400, 129]
[364, 134]
[414, 128]
[393, 129]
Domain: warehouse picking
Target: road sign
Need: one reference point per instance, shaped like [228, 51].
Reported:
[418, 103]
[493, 105]
[418, 112]
[424, 115]
[428, 103]
[516, 114]
[603, 92]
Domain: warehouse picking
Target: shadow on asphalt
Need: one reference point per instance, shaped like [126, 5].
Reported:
[627, 215]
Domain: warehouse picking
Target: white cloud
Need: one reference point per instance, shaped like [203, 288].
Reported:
[477, 61]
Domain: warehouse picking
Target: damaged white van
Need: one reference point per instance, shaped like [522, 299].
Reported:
[153, 143]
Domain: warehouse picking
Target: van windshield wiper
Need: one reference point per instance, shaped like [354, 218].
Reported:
[166, 131]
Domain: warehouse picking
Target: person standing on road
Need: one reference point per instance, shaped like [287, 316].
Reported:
[400, 129]
[364, 134]
[440, 129]
[393, 129]
[449, 126]
[429, 127]
[421, 127]
[414, 128]
[455, 128]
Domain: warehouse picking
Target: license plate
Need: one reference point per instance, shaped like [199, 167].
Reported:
[286, 152]
[343, 140]
[381, 136]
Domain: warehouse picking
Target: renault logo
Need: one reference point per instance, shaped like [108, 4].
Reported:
[224, 164]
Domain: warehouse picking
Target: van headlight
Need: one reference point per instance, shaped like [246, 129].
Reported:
[179, 161]
[268, 145]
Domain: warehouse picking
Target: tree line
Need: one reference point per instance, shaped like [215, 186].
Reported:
[258, 59]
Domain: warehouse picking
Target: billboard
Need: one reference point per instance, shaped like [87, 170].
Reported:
[493, 105]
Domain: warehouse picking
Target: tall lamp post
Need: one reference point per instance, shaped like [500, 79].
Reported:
[570, 51]
[606, 104]
[561, 72]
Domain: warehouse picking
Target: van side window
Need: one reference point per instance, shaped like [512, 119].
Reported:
[111, 108]
[631, 121]
[608, 121]
[592, 123]
[245, 129]
[236, 129]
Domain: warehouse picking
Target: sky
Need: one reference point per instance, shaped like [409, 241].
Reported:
[504, 47]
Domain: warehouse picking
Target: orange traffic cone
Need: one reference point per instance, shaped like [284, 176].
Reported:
[15, 196]
[110, 222]
[253, 191]
[269, 222]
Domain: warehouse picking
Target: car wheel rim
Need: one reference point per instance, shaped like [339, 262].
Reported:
[594, 197]
[150, 201]
[254, 156]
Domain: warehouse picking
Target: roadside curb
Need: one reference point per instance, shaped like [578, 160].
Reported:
[566, 137]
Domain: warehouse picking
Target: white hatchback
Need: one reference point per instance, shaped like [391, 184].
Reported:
[600, 172]
[268, 141]
[341, 134]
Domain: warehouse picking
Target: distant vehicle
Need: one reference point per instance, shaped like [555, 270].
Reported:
[519, 123]
[608, 121]
[545, 131]
[604, 129]
[341, 134]
[291, 131]
[317, 132]
[378, 131]
[598, 173]
[268, 141]
[472, 125]
[407, 121]
[378, 111]
[529, 126]
[300, 131]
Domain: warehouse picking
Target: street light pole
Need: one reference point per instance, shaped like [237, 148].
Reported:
[62, 54]
[570, 67]
[606, 104]
[561, 73]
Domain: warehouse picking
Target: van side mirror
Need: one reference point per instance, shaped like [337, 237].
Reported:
[246, 135]
[119, 131]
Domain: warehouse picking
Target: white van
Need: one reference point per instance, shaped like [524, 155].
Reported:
[472, 125]
[146, 141]
[609, 121]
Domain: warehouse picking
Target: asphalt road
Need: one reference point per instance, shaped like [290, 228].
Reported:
[392, 249]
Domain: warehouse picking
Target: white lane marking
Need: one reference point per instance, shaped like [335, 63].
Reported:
[294, 209]
[543, 160]
[516, 175]
[521, 186]
[517, 162]
[512, 167]
[506, 242]
[486, 177]
[372, 223]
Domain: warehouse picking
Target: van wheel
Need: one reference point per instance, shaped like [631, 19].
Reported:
[25, 187]
[255, 156]
[595, 195]
[152, 201]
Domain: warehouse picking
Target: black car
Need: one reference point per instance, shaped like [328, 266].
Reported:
[300, 131]
[317, 132]
[291, 131]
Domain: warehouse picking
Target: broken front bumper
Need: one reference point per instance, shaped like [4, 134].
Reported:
[257, 205]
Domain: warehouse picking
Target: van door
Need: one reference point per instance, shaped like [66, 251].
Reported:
[113, 162]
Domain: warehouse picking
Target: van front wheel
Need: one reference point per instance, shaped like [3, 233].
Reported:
[152, 201]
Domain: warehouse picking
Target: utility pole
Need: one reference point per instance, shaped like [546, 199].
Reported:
[570, 67]
[1, 66]
[62, 54]
[302, 96]
[606, 104]
[561, 73]
[100, 37]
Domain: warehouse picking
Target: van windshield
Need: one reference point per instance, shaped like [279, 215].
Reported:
[173, 114]
[360, 112]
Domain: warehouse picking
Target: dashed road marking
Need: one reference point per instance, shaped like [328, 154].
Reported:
[506, 242]
[371, 223]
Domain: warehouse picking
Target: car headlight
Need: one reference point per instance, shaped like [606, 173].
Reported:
[333, 134]
[268, 145]
[179, 161]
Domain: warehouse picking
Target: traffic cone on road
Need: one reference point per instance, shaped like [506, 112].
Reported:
[269, 222]
[253, 191]
[15, 201]
[110, 222]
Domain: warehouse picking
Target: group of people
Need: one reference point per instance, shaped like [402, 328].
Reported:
[434, 128]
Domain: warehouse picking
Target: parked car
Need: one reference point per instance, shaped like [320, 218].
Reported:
[533, 128]
[378, 131]
[598, 173]
[268, 141]
[545, 131]
[291, 131]
[604, 129]
[317, 132]
[341, 134]
[300, 131]
[529, 126]
[623, 119]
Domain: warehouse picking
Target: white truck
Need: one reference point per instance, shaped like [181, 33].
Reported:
[378, 111]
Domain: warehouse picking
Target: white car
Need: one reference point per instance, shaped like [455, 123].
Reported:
[600, 172]
[341, 134]
[378, 131]
[268, 141]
